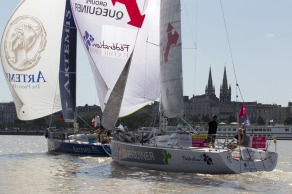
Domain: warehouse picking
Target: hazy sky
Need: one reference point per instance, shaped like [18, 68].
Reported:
[260, 36]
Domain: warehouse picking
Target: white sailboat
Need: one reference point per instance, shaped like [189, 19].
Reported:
[178, 151]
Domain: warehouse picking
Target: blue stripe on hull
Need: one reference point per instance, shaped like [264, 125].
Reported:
[79, 149]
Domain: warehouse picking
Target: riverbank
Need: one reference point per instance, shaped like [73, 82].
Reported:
[32, 133]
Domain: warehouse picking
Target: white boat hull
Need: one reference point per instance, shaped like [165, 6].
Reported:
[195, 160]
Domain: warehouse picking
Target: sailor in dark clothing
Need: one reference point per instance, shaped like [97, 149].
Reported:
[212, 130]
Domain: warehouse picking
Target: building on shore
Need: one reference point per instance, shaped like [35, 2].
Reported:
[207, 104]
[8, 116]
[7, 113]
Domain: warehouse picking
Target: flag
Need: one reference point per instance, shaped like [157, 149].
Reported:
[246, 123]
[92, 122]
[242, 111]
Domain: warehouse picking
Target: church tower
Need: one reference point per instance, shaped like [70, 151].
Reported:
[225, 92]
[210, 89]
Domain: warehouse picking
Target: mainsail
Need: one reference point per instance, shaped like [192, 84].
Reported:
[30, 54]
[112, 32]
[171, 101]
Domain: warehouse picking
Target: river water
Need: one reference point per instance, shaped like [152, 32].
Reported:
[26, 167]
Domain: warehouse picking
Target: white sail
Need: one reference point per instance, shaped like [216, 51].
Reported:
[30, 54]
[171, 59]
[112, 30]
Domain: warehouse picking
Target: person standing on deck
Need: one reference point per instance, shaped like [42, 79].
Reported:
[96, 121]
[212, 130]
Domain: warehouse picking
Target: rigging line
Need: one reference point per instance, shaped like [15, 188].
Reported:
[196, 52]
[150, 43]
[230, 51]
[144, 7]
[86, 123]
[151, 115]
[189, 48]
[55, 99]
[189, 23]
[195, 38]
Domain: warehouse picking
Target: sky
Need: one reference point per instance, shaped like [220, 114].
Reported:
[257, 52]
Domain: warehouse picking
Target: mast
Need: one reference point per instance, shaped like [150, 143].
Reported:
[171, 101]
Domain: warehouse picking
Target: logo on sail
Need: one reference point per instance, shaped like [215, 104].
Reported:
[24, 41]
[134, 13]
[172, 40]
[103, 9]
[116, 50]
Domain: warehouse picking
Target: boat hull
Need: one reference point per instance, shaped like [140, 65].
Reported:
[78, 148]
[204, 160]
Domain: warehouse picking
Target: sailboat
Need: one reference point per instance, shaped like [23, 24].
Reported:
[38, 54]
[182, 151]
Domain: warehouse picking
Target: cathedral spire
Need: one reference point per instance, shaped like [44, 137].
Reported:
[224, 83]
[225, 92]
[210, 89]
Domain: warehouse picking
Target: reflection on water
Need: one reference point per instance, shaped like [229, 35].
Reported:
[26, 167]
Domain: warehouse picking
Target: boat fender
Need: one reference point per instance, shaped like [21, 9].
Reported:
[275, 139]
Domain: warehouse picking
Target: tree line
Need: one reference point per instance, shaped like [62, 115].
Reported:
[133, 121]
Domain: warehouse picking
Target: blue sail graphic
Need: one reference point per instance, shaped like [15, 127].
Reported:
[67, 75]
